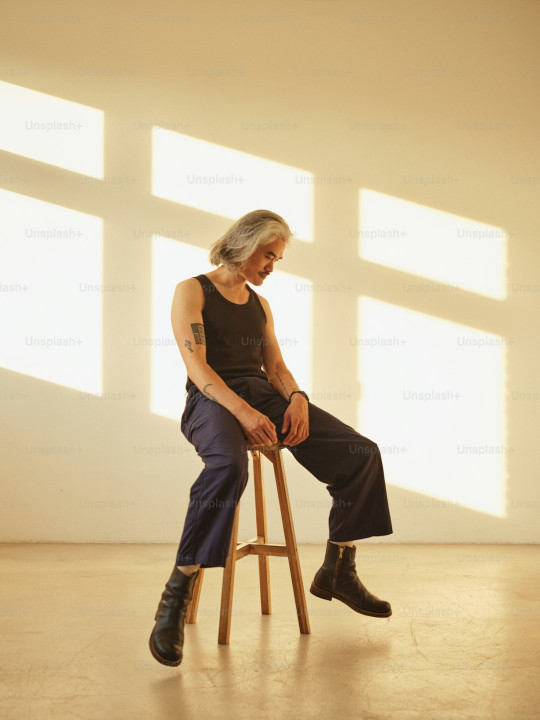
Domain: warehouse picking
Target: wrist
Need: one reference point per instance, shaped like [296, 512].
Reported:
[239, 407]
[298, 394]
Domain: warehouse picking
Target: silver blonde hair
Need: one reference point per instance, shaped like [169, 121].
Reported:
[257, 228]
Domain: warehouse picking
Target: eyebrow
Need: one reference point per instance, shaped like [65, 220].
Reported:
[269, 252]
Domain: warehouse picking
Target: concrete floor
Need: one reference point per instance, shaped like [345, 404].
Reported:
[463, 640]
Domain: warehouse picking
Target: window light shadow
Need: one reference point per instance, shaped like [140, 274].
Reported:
[51, 320]
[52, 130]
[229, 182]
[460, 252]
[432, 394]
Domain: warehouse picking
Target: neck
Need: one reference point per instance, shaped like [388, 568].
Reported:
[226, 279]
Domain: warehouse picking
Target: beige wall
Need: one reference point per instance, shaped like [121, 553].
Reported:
[377, 93]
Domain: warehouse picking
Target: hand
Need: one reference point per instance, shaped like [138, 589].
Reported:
[258, 428]
[296, 421]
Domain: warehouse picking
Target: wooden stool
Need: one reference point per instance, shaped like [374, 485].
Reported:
[259, 546]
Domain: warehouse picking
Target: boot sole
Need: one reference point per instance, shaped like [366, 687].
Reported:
[326, 595]
[158, 657]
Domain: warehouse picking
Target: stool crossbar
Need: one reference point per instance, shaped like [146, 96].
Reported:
[260, 546]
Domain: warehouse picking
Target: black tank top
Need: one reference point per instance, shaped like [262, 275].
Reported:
[234, 334]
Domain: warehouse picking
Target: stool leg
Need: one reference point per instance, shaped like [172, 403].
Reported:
[228, 585]
[260, 515]
[193, 606]
[290, 542]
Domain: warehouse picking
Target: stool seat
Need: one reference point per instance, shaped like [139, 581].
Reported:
[267, 448]
[260, 546]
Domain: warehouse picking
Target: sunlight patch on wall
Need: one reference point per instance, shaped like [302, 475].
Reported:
[52, 130]
[51, 309]
[173, 261]
[432, 397]
[448, 248]
[229, 182]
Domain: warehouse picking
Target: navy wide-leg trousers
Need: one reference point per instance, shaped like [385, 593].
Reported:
[335, 453]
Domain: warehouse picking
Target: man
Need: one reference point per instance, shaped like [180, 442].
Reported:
[239, 389]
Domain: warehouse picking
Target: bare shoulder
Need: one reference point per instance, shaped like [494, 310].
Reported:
[189, 284]
[263, 300]
[189, 293]
[266, 307]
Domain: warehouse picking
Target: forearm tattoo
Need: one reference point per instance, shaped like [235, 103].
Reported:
[198, 333]
[208, 393]
[282, 384]
[187, 343]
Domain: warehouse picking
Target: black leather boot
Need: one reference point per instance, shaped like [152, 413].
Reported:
[337, 578]
[167, 638]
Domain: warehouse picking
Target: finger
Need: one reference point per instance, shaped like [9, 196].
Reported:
[295, 438]
[293, 443]
[293, 429]
[272, 434]
[291, 439]
[269, 436]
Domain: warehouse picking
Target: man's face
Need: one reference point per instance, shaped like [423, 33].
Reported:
[261, 263]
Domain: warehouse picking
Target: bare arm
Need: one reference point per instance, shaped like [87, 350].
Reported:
[278, 373]
[296, 416]
[188, 329]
